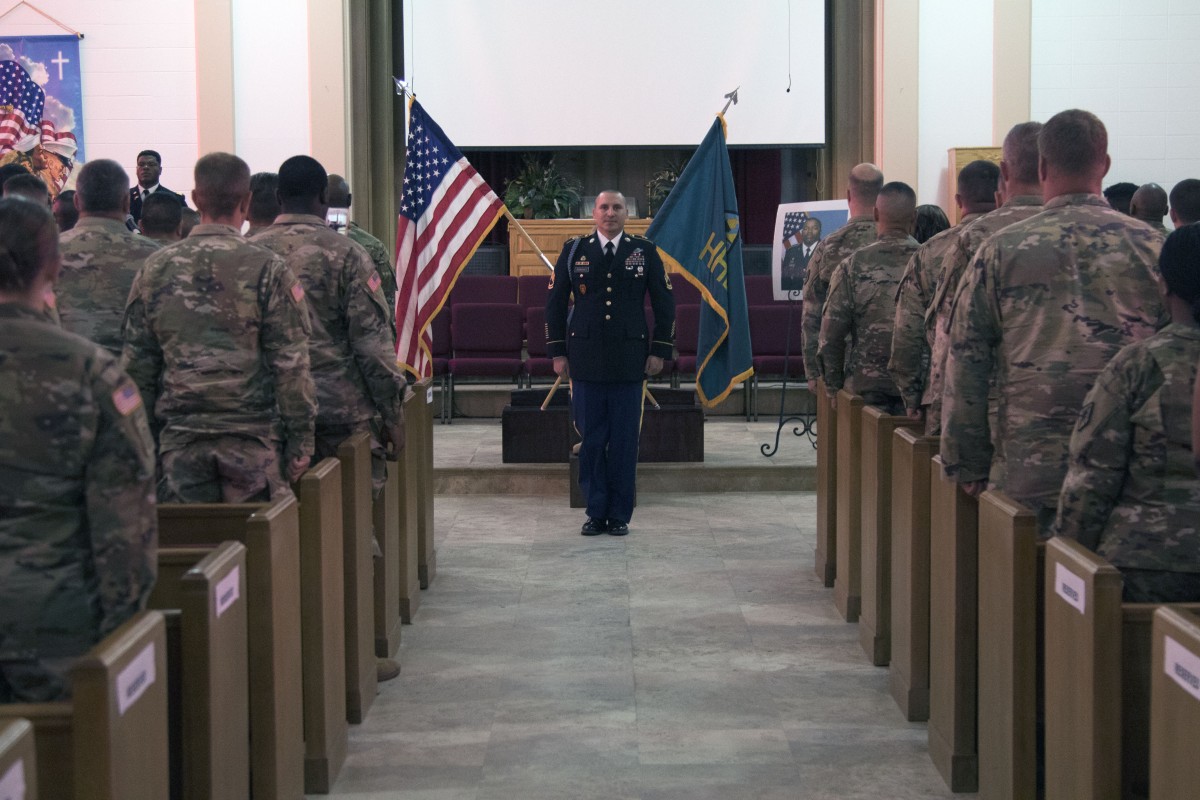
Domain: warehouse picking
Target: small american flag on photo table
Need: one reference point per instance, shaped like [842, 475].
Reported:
[793, 222]
[445, 212]
[21, 105]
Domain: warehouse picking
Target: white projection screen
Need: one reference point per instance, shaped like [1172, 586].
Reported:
[534, 74]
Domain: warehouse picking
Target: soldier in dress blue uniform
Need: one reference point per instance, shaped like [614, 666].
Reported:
[610, 350]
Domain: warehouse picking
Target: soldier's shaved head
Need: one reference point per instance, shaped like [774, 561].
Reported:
[103, 188]
[222, 185]
[1149, 203]
[977, 184]
[1185, 202]
[895, 208]
[338, 192]
[862, 187]
[1075, 143]
[1020, 154]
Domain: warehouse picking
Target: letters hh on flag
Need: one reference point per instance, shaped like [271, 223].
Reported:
[698, 233]
[445, 211]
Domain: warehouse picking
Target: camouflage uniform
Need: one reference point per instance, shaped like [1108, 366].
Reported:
[911, 342]
[861, 307]
[78, 532]
[222, 327]
[831, 251]
[1047, 303]
[100, 259]
[352, 349]
[1131, 492]
[378, 252]
[954, 265]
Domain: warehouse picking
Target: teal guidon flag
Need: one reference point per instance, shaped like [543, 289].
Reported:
[698, 235]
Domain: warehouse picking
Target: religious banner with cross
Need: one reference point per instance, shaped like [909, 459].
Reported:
[41, 106]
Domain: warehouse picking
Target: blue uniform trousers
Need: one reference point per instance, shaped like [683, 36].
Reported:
[609, 418]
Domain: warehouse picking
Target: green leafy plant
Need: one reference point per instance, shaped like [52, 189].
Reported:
[541, 191]
[662, 182]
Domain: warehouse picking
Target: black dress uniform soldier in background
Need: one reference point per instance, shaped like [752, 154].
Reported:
[610, 350]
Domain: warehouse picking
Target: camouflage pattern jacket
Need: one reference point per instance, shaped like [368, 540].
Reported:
[378, 252]
[1131, 492]
[861, 308]
[78, 531]
[937, 319]
[911, 342]
[352, 349]
[100, 259]
[1044, 307]
[216, 338]
[830, 251]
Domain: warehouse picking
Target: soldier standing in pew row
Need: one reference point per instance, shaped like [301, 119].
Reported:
[78, 531]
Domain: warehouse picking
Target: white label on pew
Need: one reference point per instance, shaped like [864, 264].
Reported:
[1183, 666]
[228, 591]
[429, 396]
[1070, 588]
[12, 785]
[135, 679]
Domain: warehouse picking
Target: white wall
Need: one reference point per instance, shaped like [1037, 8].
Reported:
[1136, 65]
[139, 77]
[955, 89]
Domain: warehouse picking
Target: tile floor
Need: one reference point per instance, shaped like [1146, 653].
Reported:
[699, 657]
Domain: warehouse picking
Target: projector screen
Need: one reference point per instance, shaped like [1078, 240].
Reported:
[535, 74]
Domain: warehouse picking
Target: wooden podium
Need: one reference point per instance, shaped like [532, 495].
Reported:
[550, 235]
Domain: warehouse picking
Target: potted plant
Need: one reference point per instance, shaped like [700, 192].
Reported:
[662, 182]
[540, 191]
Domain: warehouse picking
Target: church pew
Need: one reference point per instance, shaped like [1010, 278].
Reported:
[953, 624]
[912, 454]
[847, 585]
[323, 631]
[875, 616]
[826, 553]
[386, 598]
[421, 434]
[1097, 673]
[1010, 616]
[1174, 704]
[270, 534]
[110, 739]
[209, 687]
[408, 473]
[359, 570]
[18, 760]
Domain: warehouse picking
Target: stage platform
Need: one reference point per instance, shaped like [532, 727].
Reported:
[467, 460]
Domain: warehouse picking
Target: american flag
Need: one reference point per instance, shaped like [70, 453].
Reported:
[21, 104]
[445, 212]
[793, 222]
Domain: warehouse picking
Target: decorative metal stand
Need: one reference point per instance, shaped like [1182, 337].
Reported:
[807, 421]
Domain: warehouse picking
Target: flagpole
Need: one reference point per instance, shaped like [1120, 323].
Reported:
[521, 229]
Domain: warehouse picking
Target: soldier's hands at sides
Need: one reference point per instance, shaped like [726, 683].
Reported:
[393, 440]
[916, 414]
[560, 366]
[654, 365]
[296, 468]
[974, 488]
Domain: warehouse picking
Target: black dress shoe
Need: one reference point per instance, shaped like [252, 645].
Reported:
[617, 528]
[593, 527]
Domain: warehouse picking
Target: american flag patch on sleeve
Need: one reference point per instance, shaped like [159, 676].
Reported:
[126, 399]
[374, 282]
[297, 292]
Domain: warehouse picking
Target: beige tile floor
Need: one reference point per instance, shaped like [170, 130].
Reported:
[697, 658]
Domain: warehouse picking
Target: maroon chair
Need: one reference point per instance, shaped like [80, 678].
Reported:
[487, 343]
[759, 291]
[439, 353]
[538, 364]
[532, 291]
[687, 335]
[484, 289]
[775, 344]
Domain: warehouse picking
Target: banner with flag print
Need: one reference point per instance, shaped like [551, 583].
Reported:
[697, 233]
[445, 212]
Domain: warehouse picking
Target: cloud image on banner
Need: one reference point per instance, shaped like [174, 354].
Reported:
[697, 233]
[445, 212]
[41, 106]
